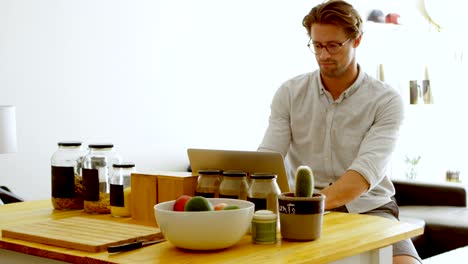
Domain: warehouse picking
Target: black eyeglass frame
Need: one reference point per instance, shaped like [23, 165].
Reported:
[311, 47]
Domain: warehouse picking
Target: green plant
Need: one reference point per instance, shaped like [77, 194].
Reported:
[412, 161]
[411, 170]
[304, 181]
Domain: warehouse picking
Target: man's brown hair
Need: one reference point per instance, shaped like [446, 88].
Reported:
[335, 12]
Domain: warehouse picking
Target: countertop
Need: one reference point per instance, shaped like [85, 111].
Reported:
[343, 235]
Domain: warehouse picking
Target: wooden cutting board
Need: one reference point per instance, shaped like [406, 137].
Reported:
[81, 233]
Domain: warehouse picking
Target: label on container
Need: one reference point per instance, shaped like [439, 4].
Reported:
[260, 203]
[264, 232]
[63, 182]
[117, 195]
[205, 194]
[300, 206]
[91, 184]
[228, 196]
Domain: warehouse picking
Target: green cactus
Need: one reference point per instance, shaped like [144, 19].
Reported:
[304, 181]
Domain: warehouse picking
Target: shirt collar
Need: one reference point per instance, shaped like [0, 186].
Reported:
[357, 83]
[348, 92]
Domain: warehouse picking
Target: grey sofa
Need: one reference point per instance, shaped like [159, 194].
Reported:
[443, 211]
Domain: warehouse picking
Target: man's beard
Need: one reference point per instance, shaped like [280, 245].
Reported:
[333, 72]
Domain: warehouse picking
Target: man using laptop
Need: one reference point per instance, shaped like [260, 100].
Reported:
[340, 121]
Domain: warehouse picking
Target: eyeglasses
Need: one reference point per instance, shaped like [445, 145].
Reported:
[332, 47]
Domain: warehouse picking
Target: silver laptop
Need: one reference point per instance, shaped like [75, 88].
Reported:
[247, 161]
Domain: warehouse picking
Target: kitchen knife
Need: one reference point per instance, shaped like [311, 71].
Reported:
[133, 245]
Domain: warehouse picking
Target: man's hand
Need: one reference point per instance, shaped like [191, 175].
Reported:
[349, 187]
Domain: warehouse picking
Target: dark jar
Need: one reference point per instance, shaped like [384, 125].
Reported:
[120, 189]
[66, 182]
[97, 167]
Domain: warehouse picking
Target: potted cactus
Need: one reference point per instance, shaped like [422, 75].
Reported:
[301, 212]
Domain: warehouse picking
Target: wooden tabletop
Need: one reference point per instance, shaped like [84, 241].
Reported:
[343, 235]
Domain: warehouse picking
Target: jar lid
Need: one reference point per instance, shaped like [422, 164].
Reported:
[210, 172]
[124, 165]
[101, 145]
[69, 143]
[234, 173]
[263, 175]
[264, 215]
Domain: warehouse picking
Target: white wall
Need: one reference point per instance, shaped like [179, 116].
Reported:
[152, 77]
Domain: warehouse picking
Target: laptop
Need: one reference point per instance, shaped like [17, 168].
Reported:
[247, 161]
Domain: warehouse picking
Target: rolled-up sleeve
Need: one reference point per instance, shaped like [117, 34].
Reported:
[379, 141]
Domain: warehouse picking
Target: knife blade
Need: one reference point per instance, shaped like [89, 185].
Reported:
[133, 245]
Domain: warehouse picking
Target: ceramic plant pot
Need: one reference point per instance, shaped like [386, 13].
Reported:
[301, 218]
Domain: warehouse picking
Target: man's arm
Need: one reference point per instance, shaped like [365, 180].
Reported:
[347, 188]
[375, 151]
[278, 134]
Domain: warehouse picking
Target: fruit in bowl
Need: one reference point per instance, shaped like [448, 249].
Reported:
[197, 204]
[179, 204]
[208, 229]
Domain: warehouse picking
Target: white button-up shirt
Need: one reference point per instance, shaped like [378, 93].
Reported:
[357, 131]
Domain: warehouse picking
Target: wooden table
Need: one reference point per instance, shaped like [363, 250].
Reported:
[346, 238]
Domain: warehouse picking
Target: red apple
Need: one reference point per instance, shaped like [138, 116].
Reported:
[180, 202]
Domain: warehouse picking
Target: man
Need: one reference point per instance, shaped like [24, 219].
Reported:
[340, 121]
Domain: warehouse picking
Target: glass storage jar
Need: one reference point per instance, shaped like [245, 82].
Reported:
[67, 191]
[120, 189]
[264, 191]
[96, 169]
[234, 185]
[208, 183]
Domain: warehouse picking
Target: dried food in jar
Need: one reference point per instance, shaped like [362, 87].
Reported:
[96, 172]
[72, 203]
[102, 206]
[66, 183]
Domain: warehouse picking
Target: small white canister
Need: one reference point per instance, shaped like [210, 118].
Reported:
[264, 224]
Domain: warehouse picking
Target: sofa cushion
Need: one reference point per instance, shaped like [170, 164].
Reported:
[446, 227]
[425, 193]
[450, 216]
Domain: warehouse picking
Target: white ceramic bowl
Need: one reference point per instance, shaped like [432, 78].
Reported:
[206, 230]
